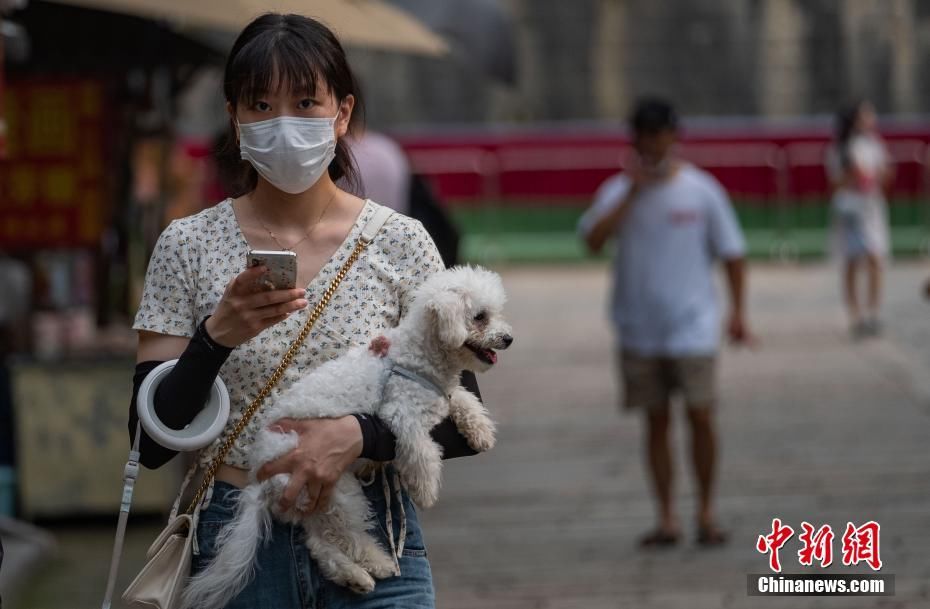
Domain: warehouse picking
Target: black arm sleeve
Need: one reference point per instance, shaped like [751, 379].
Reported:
[151, 454]
[378, 440]
[180, 395]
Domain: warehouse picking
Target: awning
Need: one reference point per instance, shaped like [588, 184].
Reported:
[363, 23]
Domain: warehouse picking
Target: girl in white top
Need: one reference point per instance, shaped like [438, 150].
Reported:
[291, 99]
[859, 169]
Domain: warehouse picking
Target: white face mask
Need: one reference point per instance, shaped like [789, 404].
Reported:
[290, 152]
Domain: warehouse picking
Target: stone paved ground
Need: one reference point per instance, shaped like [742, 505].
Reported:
[814, 428]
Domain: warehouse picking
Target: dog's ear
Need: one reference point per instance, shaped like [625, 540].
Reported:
[448, 307]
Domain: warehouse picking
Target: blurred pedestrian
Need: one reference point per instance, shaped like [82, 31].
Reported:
[670, 222]
[386, 177]
[383, 169]
[427, 207]
[860, 170]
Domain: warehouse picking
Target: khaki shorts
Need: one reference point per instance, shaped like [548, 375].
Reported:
[649, 382]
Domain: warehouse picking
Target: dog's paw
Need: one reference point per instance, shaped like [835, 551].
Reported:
[479, 430]
[472, 420]
[425, 500]
[481, 434]
[380, 564]
[380, 346]
[424, 494]
[358, 580]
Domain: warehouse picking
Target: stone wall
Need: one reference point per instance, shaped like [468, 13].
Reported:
[587, 59]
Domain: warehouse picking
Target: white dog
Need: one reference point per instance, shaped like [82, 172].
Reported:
[410, 379]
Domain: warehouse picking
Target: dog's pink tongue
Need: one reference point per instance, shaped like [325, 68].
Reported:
[491, 355]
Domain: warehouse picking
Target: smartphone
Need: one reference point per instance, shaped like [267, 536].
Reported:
[282, 268]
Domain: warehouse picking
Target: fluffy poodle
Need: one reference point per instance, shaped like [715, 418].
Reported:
[409, 378]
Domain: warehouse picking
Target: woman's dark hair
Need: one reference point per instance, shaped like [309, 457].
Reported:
[285, 50]
[652, 115]
[846, 120]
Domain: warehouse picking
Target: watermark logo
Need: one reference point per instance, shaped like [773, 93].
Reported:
[817, 545]
[859, 544]
[773, 542]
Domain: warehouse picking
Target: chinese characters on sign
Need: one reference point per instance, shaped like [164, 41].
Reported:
[860, 544]
[52, 183]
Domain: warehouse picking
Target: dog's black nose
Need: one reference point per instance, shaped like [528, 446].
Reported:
[508, 339]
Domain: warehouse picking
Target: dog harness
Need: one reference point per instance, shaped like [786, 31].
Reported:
[392, 368]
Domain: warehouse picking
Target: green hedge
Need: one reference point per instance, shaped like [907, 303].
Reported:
[529, 232]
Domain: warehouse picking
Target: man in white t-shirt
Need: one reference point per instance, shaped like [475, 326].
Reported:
[670, 222]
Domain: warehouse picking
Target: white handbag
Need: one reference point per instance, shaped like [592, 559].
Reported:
[161, 581]
[159, 584]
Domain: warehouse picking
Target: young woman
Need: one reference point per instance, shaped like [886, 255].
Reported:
[859, 169]
[291, 99]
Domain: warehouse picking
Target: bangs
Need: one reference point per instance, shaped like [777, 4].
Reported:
[275, 61]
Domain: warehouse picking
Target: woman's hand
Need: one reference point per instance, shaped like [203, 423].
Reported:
[325, 448]
[246, 309]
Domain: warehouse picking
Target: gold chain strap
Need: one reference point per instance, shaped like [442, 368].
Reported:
[276, 376]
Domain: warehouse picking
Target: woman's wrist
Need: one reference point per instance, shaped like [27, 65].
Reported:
[205, 334]
[211, 328]
[366, 428]
[356, 435]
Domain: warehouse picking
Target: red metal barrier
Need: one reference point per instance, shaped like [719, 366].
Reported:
[570, 166]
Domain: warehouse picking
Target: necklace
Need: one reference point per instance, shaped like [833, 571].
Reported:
[307, 233]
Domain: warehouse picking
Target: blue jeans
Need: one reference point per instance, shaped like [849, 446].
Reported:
[287, 578]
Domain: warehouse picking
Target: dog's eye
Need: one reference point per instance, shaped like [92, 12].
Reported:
[481, 316]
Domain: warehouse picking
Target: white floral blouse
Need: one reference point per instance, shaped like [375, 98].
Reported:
[197, 256]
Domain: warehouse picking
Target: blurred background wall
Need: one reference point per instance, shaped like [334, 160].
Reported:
[588, 59]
